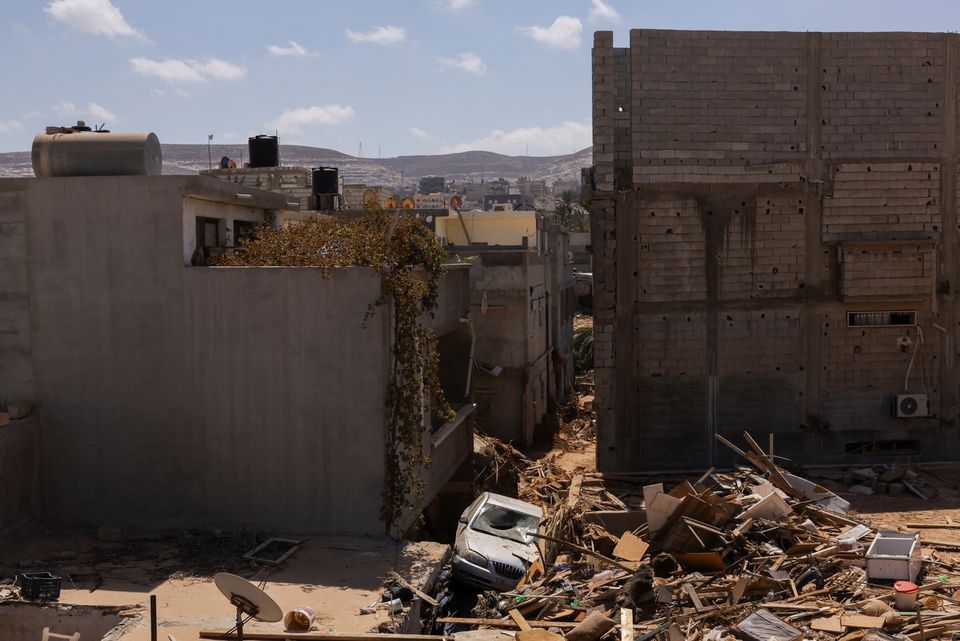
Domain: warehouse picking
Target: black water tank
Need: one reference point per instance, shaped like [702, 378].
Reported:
[326, 181]
[264, 151]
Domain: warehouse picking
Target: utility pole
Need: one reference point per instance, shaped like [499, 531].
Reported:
[209, 153]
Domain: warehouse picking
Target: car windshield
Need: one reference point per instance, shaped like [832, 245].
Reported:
[506, 523]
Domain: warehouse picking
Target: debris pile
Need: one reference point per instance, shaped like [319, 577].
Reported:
[757, 554]
[895, 480]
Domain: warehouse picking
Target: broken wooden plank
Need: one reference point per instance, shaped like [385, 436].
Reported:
[626, 624]
[939, 544]
[420, 593]
[861, 621]
[739, 588]
[694, 598]
[827, 624]
[797, 607]
[630, 547]
[520, 621]
[583, 550]
[537, 634]
[504, 623]
[736, 450]
[573, 495]
[929, 633]
[936, 526]
[321, 636]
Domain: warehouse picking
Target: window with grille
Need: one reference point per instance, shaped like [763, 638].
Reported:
[880, 319]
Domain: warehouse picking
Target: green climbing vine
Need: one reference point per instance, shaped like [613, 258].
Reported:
[410, 262]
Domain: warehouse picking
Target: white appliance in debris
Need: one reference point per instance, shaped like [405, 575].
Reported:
[910, 405]
[894, 556]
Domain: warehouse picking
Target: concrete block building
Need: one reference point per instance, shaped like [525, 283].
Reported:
[774, 234]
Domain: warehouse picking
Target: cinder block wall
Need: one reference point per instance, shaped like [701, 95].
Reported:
[750, 190]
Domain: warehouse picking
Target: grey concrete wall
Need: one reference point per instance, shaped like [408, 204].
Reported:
[19, 469]
[196, 395]
[19, 475]
[16, 372]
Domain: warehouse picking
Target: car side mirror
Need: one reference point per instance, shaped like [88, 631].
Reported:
[463, 520]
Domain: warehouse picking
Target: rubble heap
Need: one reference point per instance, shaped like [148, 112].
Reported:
[757, 553]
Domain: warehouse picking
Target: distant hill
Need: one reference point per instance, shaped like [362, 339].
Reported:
[467, 165]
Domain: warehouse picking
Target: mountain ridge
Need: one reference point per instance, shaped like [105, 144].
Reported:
[181, 159]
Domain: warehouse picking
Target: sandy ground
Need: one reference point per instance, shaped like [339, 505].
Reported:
[334, 576]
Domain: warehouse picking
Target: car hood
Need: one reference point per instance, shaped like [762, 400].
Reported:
[496, 548]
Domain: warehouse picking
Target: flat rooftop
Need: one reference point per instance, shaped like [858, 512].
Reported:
[336, 576]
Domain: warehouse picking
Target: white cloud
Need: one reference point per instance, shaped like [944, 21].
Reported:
[562, 139]
[100, 113]
[8, 127]
[295, 49]
[221, 69]
[97, 17]
[176, 70]
[66, 109]
[602, 11]
[417, 132]
[69, 111]
[420, 134]
[564, 33]
[469, 62]
[292, 121]
[455, 5]
[388, 35]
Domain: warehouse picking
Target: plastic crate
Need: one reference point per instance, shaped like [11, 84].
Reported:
[39, 586]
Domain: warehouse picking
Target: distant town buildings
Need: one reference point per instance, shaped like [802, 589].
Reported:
[432, 184]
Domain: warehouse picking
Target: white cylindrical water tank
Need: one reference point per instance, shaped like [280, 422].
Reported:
[91, 153]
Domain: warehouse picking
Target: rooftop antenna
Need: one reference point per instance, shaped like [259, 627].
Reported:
[251, 602]
[276, 132]
[361, 149]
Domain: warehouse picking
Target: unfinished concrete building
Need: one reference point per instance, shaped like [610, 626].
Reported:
[775, 245]
[522, 305]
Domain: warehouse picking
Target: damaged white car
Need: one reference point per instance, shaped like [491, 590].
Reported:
[493, 548]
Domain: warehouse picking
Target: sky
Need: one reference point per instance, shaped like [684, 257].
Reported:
[400, 77]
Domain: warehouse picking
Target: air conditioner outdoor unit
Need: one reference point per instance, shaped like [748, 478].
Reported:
[910, 405]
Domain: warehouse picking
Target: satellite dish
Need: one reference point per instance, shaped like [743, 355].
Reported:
[250, 601]
[391, 203]
[408, 203]
[456, 203]
[370, 198]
